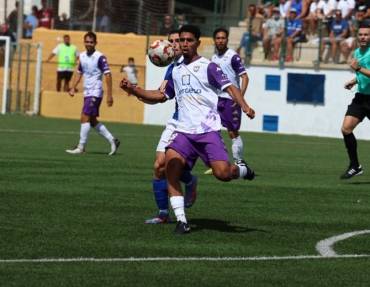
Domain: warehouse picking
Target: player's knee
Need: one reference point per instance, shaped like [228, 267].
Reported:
[222, 173]
[346, 130]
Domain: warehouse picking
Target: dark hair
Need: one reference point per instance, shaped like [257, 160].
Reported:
[131, 59]
[364, 25]
[191, 29]
[90, 34]
[174, 31]
[221, 29]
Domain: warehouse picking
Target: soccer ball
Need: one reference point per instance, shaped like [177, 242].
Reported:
[161, 53]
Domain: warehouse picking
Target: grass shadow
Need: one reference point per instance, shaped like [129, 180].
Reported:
[219, 225]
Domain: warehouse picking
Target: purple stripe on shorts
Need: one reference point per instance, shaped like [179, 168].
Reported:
[230, 114]
[208, 146]
[91, 106]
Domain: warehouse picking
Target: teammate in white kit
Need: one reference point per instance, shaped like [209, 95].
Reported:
[159, 182]
[93, 65]
[195, 83]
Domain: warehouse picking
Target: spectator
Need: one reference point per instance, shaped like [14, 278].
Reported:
[181, 20]
[67, 56]
[12, 20]
[167, 25]
[339, 32]
[62, 22]
[131, 71]
[349, 44]
[293, 33]
[31, 23]
[346, 7]
[46, 16]
[315, 14]
[284, 6]
[297, 6]
[272, 35]
[254, 31]
[103, 21]
[5, 31]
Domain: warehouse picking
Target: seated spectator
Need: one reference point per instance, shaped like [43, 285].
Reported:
[5, 31]
[293, 33]
[181, 20]
[272, 35]
[347, 8]
[349, 45]
[30, 23]
[315, 14]
[62, 22]
[254, 31]
[284, 6]
[339, 31]
[167, 25]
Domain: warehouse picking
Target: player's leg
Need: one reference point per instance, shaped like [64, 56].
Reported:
[84, 133]
[59, 80]
[350, 142]
[67, 79]
[100, 127]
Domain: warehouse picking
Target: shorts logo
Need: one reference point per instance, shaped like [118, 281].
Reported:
[185, 80]
[196, 68]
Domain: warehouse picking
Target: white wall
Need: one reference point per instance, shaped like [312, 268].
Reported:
[303, 119]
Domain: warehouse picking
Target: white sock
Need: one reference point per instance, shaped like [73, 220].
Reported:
[84, 133]
[242, 171]
[102, 130]
[237, 148]
[177, 203]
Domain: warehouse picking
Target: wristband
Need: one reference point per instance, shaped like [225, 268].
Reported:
[358, 69]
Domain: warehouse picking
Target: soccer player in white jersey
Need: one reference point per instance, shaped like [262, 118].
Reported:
[230, 112]
[195, 84]
[159, 182]
[92, 66]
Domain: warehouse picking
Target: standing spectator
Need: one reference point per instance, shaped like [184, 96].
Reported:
[31, 23]
[67, 56]
[46, 16]
[313, 17]
[294, 33]
[272, 35]
[284, 6]
[339, 32]
[12, 20]
[130, 71]
[254, 31]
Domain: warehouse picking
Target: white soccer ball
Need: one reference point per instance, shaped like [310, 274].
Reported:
[161, 53]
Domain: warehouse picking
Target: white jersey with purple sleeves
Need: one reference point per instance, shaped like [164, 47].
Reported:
[232, 65]
[93, 67]
[196, 87]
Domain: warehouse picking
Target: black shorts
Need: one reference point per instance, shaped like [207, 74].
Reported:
[360, 107]
[64, 75]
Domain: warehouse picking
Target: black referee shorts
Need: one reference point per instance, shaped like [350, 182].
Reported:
[360, 107]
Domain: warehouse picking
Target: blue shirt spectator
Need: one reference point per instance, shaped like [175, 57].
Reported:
[338, 27]
[31, 22]
[293, 25]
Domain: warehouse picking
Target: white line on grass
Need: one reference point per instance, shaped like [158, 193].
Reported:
[325, 247]
[156, 259]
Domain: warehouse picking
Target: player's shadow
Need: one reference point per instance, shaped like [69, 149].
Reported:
[219, 225]
[358, 182]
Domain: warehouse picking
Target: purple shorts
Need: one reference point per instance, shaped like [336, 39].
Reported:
[208, 146]
[230, 113]
[91, 106]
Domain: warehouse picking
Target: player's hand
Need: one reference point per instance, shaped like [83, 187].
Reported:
[349, 85]
[110, 101]
[250, 112]
[125, 85]
[72, 91]
[354, 64]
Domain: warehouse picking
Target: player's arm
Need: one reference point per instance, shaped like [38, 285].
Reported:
[50, 57]
[73, 89]
[151, 96]
[108, 80]
[244, 84]
[357, 68]
[235, 93]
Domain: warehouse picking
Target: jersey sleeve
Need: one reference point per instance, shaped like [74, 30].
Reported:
[169, 90]
[79, 68]
[55, 50]
[216, 77]
[237, 65]
[169, 72]
[103, 65]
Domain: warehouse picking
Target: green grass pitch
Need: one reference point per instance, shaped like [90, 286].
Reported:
[56, 205]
